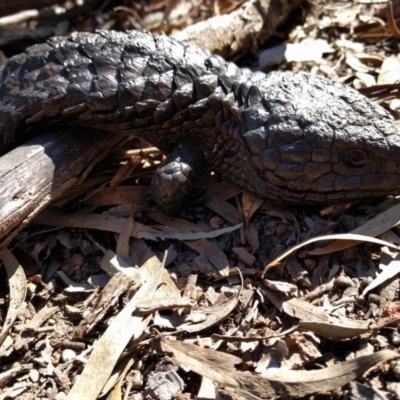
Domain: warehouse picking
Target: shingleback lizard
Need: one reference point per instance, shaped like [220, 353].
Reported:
[290, 137]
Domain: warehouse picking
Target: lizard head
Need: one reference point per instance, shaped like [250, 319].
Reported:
[313, 140]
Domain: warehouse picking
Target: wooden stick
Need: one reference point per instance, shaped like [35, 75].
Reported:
[242, 30]
[33, 175]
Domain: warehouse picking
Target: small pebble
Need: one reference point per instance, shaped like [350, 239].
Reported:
[68, 355]
[343, 282]
[34, 375]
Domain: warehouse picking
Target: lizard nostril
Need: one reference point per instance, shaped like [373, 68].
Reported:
[356, 157]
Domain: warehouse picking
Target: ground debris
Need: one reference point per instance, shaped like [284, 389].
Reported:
[236, 298]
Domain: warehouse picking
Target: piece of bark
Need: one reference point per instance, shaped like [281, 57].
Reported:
[16, 35]
[8, 7]
[49, 13]
[33, 175]
[242, 30]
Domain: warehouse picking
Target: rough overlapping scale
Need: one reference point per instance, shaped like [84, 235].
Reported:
[312, 139]
[256, 139]
[108, 77]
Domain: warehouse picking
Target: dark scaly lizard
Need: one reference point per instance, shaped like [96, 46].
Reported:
[296, 138]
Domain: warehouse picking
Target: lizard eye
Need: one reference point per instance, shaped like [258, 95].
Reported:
[356, 157]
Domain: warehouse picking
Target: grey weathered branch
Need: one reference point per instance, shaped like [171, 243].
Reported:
[242, 30]
[8, 7]
[33, 175]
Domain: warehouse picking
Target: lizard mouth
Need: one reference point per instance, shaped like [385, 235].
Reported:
[335, 194]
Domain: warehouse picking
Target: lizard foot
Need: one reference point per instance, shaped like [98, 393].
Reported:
[175, 177]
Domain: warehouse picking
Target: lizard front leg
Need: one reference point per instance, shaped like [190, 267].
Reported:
[176, 176]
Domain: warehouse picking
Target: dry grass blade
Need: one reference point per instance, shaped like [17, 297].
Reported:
[115, 224]
[213, 254]
[175, 222]
[302, 383]
[109, 347]
[38, 319]
[343, 236]
[223, 208]
[207, 389]
[112, 292]
[112, 264]
[214, 314]
[122, 250]
[17, 282]
[72, 286]
[215, 365]
[117, 195]
[221, 368]
[374, 227]
[90, 221]
[393, 28]
[389, 272]
[318, 319]
[250, 204]
[164, 303]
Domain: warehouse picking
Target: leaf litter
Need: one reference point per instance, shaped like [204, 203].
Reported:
[320, 319]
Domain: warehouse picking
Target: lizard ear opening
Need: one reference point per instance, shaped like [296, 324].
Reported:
[356, 157]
